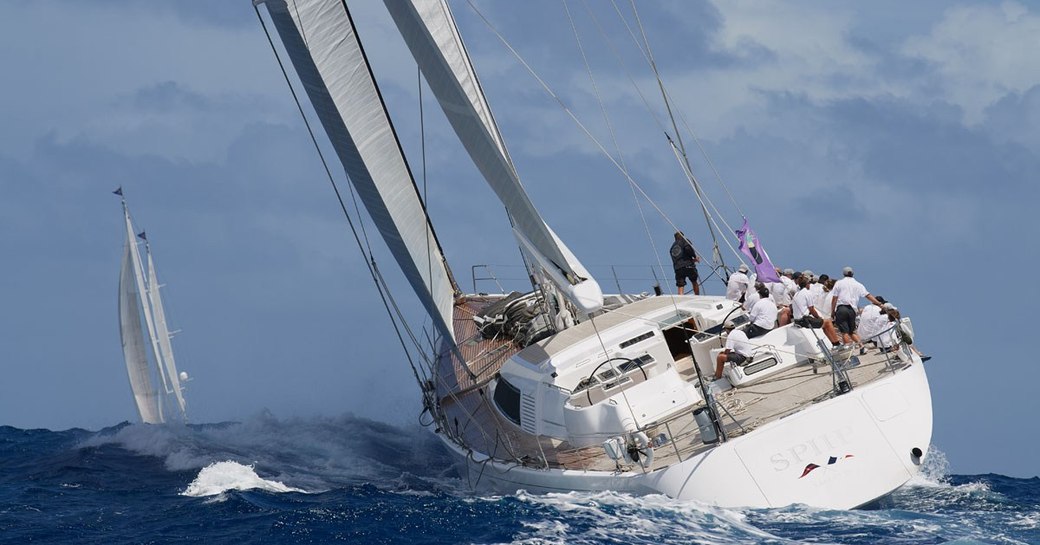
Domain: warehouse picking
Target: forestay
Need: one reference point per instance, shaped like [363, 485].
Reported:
[430, 32]
[321, 41]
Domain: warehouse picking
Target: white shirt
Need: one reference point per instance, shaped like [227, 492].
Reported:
[848, 291]
[763, 314]
[737, 285]
[871, 322]
[738, 342]
[778, 290]
[802, 302]
[823, 303]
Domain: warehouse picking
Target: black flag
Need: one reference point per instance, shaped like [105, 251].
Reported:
[119, 191]
[141, 236]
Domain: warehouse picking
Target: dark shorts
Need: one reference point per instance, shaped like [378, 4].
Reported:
[754, 330]
[809, 321]
[736, 357]
[682, 274]
[845, 319]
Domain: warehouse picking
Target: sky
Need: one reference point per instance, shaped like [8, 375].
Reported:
[902, 139]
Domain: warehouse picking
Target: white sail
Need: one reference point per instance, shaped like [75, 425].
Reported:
[168, 367]
[133, 342]
[321, 41]
[430, 32]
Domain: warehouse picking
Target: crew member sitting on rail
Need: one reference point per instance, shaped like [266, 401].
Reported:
[762, 315]
[804, 311]
[737, 350]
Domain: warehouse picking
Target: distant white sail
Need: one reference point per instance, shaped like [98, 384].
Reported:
[153, 373]
[162, 335]
[430, 32]
[321, 41]
[133, 342]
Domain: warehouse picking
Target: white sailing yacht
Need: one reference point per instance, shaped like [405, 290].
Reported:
[154, 379]
[565, 388]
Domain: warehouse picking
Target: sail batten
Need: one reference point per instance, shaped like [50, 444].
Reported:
[433, 38]
[321, 41]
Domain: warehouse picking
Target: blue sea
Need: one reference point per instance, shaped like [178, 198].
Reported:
[351, 480]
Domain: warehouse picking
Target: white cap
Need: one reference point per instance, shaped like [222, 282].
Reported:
[789, 272]
[846, 271]
[808, 273]
[742, 268]
[888, 306]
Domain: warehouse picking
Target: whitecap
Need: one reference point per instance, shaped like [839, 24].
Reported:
[219, 477]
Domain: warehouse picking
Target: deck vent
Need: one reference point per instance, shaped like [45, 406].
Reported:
[760, 365]
[528, 413]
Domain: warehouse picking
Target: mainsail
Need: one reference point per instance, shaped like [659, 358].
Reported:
[133, 342]
[430, 32]
[320, 38]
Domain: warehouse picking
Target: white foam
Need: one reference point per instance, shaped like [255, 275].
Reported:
[219, 477]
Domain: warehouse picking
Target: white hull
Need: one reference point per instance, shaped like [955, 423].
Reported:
[870, 432]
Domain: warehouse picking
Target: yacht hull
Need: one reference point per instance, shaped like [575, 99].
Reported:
[840, 453]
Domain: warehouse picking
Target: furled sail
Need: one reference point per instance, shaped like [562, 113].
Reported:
[430, 32]
[133, 340]
[321, 41]
[162, 334]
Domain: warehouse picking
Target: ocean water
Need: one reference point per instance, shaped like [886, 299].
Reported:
[347, 479]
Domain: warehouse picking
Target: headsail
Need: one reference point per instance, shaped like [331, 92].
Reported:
[320, 38]
[430, 31]
[133, 342]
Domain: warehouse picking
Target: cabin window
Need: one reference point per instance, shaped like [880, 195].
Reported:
[507, 398]
[635, 340]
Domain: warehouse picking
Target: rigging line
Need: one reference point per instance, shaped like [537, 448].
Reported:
[716, 255]
[711, 218]
[642, 97]
[372, 271]
[682, 116]
[707, 158]
[570, 114]
[613, 135]
[425, 195]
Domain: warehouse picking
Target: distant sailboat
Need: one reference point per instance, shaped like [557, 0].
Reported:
[147, 350]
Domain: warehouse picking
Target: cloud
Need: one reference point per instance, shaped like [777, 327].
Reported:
[978, 54]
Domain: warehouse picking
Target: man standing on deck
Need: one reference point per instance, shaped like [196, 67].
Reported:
[844, 298]
[684, 261]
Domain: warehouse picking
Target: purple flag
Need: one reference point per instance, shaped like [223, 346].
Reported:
[752, 247]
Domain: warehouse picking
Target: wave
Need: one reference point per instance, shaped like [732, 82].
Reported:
[219, 477]
[310, 454]
[351, 479]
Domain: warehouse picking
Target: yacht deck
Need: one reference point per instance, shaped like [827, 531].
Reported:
[471, 419]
